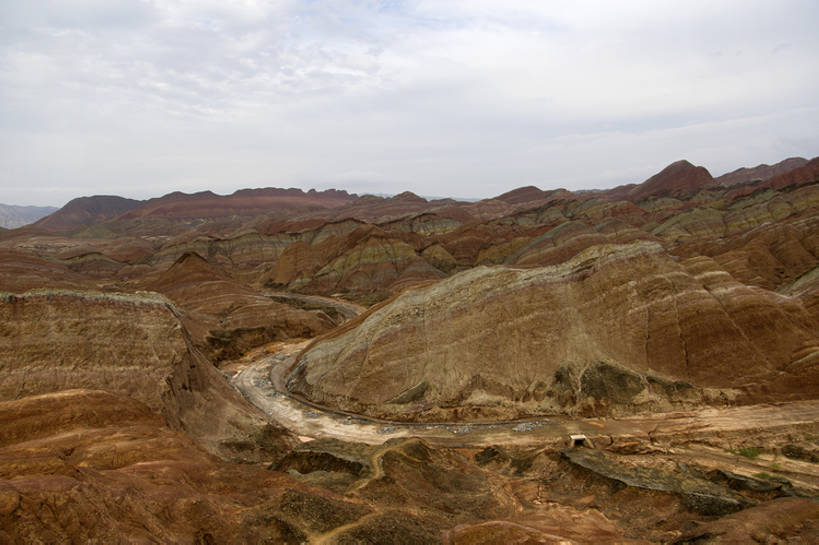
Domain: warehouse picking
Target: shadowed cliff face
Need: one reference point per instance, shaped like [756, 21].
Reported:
[615, 328]
[132, 345]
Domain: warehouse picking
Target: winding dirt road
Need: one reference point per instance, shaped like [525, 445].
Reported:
[259, 377]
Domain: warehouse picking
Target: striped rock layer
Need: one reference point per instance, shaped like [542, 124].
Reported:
[617, 328]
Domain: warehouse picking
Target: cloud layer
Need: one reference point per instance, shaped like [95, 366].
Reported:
[461, 98]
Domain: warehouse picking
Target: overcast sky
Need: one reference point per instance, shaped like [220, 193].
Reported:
[465, 98]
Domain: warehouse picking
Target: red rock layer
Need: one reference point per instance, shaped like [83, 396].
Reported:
[85, 466]
[245, 202]
[614, 328]
[86, 211]
[761, 172]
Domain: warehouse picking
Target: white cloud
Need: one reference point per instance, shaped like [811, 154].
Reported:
[467, 98]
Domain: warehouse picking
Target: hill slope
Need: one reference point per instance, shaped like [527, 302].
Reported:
[85, 211]
[617, 328]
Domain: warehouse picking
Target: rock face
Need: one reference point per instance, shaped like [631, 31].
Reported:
[227, 318]
[615, 327]
[786, 520]
[133, 345]
[696, 491]
[84, 466]
[60, 340]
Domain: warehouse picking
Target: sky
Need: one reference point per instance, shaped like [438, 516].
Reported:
[461, 98]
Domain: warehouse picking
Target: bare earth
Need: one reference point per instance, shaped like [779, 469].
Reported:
[259, 377]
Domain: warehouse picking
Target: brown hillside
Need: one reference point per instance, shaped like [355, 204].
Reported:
[614, 328]
[86, 211]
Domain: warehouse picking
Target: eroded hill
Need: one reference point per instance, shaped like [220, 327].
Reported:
[616, 328]
[126, 328]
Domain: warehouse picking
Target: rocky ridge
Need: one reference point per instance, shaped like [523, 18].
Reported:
[132, 345]
[616, 327]
[119, 328]
[760, 172]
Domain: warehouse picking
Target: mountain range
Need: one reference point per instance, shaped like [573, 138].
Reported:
[630, 365]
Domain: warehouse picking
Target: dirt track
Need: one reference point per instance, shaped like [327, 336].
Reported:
[259, 377]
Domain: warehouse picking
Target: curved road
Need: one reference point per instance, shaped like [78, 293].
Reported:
[259, 377]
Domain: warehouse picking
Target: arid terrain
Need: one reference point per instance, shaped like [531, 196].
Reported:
[631, 365]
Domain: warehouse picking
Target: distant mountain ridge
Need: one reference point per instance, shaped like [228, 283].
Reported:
[638, 268]
[13, 216]
[85, 211]
[759, 173]
[244, 202]
[267, 209]
[680, 179]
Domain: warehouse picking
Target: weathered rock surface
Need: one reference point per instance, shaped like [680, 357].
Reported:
[697, 493]
[133, 345]
[614, 328]
[85, 466]
[227, 318]
[427, 495]
[786, 520]
[60, 340]
[670, 294]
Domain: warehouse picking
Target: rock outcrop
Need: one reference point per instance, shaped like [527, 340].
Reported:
[131, 345]
[84, 466]
[613, 329]
[227, 318]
